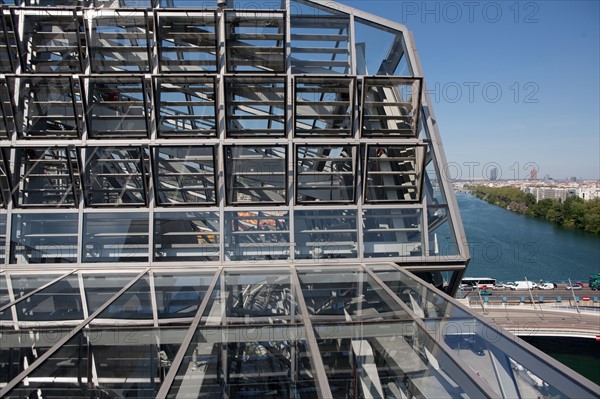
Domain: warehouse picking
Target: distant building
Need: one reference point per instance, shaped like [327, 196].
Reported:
[533, 174]
[494, 174]
[541, 193]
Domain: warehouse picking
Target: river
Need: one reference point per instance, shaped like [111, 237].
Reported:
[509, 246]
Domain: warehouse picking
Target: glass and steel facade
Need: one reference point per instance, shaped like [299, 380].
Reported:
[231, 198]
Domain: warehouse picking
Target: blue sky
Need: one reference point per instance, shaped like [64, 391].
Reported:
[513, 83]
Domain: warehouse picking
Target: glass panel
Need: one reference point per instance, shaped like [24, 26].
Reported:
[324, 106]
[256, 175]
[257, 235]
[99, 288]
[391, 107]
[121, 42]
[442, 241]
[54, 41]
[392, 232]
[394, 173]
[115, 237]
[320, 42]
[4, 298]
[378, 49]
[187, 107]
[265, 362]
[23, 284]
[47, 176]
[6, 118]
[185, 175]
[187, 42]
[8, 43]
[388, 360]
[255, 41]
[200, 4]
[20, 348]
[44, 238]
[133, 304]
[257, 298]
[186, 236]
[49, 107]
[178, 295]
[346, 294]
[105, 363]
[60, 301]
[117, 108]
[325, 174]
[115, 176]
[2, 237]
[255, 106]
[425, 302]
[326, 234]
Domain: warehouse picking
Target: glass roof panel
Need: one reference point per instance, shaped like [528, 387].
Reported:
[346, 294]
[255, 236]
[59, 301]
[263, 361]
[133, 304]
[99, 288]
[424, 301]
[386, 360]
[258, 298]
[105, 363]
[178, 295]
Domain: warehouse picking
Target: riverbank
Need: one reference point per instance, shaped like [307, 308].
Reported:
[572, 213]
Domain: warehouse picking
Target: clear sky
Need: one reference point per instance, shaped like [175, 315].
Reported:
[515, 83]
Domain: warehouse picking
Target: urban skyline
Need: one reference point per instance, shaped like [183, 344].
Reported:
[520, 88]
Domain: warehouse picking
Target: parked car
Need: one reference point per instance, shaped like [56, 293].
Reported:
[499, 287]
[547, 286]
[575, 287]
[510, 284]
[523, 285]
[485, 292]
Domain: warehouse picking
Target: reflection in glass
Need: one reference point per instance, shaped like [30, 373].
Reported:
[121, 42]
[49, 107]
[186, 236]
[118, 108]
[266, 362]
[257, 235]
[325, 174]
[255, 106]
[346, 295]
[134, 303]
[187, 41]
[185, 175]
[47, 176]
[59, 301]
[2, 237]
[256, 174]
[257, 298]
[105, 363]
[326, 234]
[255, 41]
[394, 173]
[115, 237]
[392, 232]
[320, 41]
[54, 42]
[391, 107]
[324, 106]
[186, 107]
[115, 176]
[99, 288]
[391, 360]
[44, 238]
[180, 294]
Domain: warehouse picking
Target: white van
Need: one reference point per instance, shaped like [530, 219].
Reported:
[523, 285]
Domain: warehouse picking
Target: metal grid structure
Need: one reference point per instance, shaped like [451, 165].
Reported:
[242, 188]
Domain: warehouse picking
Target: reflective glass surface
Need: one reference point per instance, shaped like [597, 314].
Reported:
[59, 301]
[326, 234]
[392, 232]
[44, 238]
[178, 295]
[257, 235]
[186, 236]
[115, 237]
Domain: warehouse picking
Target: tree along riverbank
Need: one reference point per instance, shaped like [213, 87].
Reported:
[572, 213]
